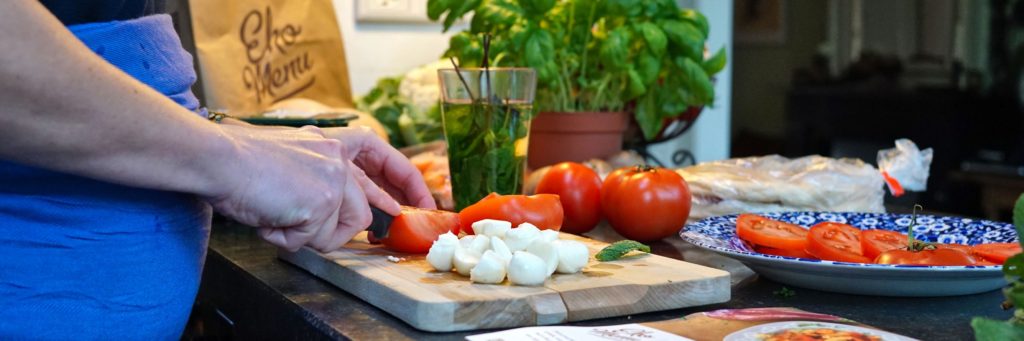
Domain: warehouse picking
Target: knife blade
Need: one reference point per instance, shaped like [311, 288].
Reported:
[381, 223]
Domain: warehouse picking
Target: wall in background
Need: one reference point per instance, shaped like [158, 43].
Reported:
[763, 72]
[376, 50]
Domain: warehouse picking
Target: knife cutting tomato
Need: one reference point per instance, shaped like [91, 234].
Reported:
[415, 229]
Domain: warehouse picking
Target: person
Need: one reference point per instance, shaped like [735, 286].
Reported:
[109, 174]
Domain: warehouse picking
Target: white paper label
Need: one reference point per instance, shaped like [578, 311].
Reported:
[622, 332]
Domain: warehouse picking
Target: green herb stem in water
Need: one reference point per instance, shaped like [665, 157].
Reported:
[486, 148]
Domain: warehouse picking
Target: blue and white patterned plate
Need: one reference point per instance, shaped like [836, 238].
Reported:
[718, 234]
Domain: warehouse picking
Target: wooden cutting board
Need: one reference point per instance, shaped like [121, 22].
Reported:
[434, 301]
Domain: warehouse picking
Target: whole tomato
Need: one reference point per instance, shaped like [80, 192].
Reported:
[579, 189]
[644, 203]
[541, 210]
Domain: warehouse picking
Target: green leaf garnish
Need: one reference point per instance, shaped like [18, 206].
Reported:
[620, 248]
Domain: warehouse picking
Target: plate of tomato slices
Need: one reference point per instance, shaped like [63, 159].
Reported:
[840, 251]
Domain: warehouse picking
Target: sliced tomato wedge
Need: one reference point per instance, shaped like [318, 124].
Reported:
[762, 231]
[963, 248]
[782, 252]
[996, 252]
[836, 242]
[875, 242]
[946, 257]
[416, 229]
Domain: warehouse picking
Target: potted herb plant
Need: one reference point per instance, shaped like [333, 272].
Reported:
[596, 61]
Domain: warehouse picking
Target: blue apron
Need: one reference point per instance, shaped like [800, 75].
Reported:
[87, 259]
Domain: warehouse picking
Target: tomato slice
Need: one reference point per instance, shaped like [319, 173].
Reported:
[416, 229]
[945, 257]
[771, 233]
[963, 248]
[875, 242]
[836, 242]
[782, 252]
[541, 210]
[996, 252]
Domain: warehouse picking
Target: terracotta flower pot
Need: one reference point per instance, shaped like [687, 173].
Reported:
[556, 137]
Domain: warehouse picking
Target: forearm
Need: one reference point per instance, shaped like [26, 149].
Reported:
[66, 109]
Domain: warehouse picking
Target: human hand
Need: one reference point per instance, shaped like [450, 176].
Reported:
[295, 185]
[385, 168]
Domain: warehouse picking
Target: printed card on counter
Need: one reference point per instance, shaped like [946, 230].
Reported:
[755, 324]
[623, 332]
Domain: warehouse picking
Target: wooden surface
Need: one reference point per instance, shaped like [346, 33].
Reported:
[434, 301]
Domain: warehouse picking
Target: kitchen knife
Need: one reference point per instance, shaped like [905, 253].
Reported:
[381, 223]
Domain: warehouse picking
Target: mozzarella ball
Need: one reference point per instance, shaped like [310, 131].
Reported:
[549, 235]
[491, 227]
[480, 244]
[464, 261]
[442, 251]
[547, 252]
[501, 250]
[465, 241]
[490, 269]
[572, 256]
[526, 269]
[520, 237]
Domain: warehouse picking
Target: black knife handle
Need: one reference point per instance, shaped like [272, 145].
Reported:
[381, 222]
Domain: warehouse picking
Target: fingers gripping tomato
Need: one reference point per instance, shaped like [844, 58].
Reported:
[415, 229]
[579, 189]
[542, 210]
[644, 203]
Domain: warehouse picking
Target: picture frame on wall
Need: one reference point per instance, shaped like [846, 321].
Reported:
[760, 22]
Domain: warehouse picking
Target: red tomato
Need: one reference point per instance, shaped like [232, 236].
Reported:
[836, 242]
[644, 203]
[579, 189]
[542, 210]
[926, 257]
[996, 252]
[782, 252]
[416, 229]
[963, 248]
[771, 233]
[875, 242]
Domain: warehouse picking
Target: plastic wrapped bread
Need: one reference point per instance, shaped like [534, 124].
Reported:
[774, 183]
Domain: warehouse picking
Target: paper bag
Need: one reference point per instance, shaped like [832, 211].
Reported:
[255, 53]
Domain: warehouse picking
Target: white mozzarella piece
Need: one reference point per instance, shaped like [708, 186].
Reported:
[547, 252]
[464, 261]
[526, 269]
[572, 256]
[520, 237]
[490, 269]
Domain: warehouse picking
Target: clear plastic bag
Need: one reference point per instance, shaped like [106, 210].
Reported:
[907, 165]
[775, 183]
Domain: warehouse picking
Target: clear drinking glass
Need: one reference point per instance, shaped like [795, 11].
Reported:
[486, 117]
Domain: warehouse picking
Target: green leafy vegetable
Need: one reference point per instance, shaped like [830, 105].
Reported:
[590, 55]
[988, 329]
[784, 292]
[620, 248]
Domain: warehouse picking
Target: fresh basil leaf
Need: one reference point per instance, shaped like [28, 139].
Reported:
[993, 330]
[697, 19]
[655, 37]
[539, 49]
[1014, 266]
[620, 248]
[648, 67]
[615, 50]
[435, 8]
[629, 8]
[685, 37]
[1015, 293]
[458, 9]
[1018, 218]
[536, 7]
[716, 63]
[697, 82]
[636, 86]
[647, 116]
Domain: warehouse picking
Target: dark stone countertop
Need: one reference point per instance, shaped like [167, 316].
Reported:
[247, 293]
